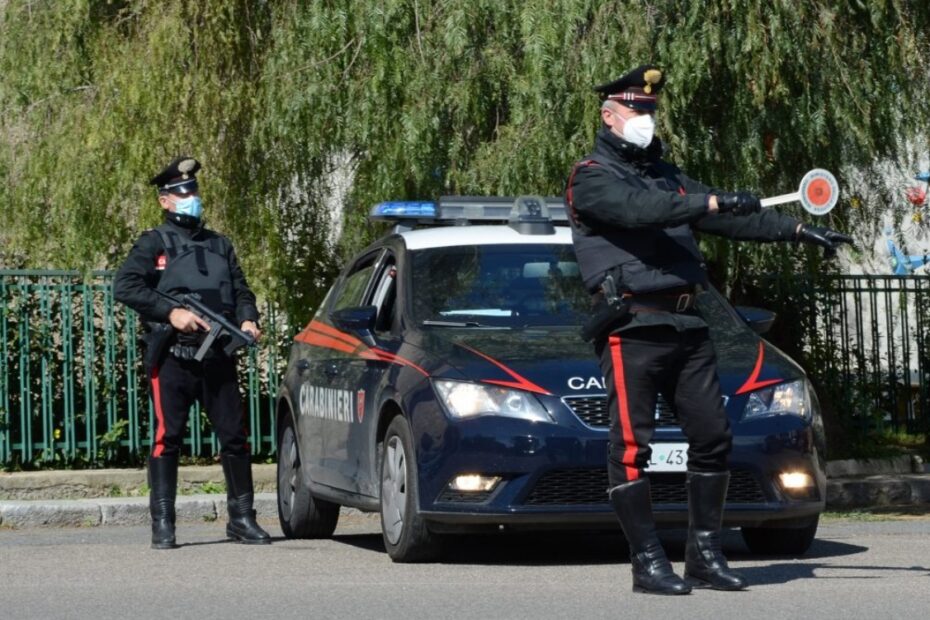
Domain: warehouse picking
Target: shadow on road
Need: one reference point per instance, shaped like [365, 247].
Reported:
[368, 542]
[569, 548]
[783, 573]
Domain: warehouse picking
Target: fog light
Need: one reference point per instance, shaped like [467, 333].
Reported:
[795, 480]
[473, 483]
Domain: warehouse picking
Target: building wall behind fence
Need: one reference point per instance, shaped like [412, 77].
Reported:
[72, 388]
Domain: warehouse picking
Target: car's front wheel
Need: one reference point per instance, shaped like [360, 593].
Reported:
[406, 535]
[781, 540]
[301, 515]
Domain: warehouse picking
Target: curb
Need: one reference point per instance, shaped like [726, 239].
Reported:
[21, 514]
[878, 491]
[93, 483]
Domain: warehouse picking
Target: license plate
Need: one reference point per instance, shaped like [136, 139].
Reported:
[668, 457]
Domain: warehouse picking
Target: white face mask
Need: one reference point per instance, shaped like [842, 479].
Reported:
[639, 130]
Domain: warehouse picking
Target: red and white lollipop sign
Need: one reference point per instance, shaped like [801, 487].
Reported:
[818, 193]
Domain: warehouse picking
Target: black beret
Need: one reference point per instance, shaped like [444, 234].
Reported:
[178, 176]
[636, 89]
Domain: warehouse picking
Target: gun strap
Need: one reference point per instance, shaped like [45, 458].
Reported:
[167, 240]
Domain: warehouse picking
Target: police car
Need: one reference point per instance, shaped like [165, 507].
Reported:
[443, 383]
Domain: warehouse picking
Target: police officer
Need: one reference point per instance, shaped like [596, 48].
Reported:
[632, 216]
[182, 256]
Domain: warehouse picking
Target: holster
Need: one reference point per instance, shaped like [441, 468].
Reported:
[157, 342]
[605, 316]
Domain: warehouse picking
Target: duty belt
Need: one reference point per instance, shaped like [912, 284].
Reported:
[676, 300]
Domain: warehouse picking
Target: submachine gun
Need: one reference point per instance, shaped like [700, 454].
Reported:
[223, 333]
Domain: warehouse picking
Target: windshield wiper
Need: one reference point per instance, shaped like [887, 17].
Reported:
[430, 323]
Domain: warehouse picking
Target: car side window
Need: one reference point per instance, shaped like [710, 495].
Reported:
[384, 296]
[350, 295]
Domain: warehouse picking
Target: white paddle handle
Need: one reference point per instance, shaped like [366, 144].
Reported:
[780, 200]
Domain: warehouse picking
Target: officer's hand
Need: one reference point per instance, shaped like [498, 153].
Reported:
[828, 239]
[738, 203]
[250, 327]
[184, 320]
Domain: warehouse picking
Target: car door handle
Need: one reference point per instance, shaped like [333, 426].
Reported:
[331, 371]
[303, 365]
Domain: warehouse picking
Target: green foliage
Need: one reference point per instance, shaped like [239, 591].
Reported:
[304, 114]
[110, 440]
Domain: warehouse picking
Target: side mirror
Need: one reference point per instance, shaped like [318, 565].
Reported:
[359, 320]
[759, 320]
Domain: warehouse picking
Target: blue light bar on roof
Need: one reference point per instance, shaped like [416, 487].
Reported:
[923, 176]
[401, 210]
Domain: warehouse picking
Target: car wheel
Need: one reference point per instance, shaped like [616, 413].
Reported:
[301, 515]
[780, 540]
[406, 535]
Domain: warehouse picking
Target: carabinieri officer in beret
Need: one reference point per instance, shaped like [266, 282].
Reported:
[182, 256]
[632, 216]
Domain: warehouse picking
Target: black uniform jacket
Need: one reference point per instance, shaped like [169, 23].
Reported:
[138, 276]
[620, 195]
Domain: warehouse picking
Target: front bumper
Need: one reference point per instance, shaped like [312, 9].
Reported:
[555, 476]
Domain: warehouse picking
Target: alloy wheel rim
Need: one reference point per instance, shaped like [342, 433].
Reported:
[287, 474]
[394, 489]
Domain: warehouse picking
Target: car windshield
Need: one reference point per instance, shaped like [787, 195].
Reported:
[503, 286]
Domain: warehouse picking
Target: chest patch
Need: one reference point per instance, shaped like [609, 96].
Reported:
[161, 262]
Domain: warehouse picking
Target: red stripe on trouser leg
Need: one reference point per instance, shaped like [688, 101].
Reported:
[159, 415]
[629, 440]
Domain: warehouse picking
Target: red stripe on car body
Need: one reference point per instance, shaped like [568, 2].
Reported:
[753, 383]
[321, 335]
[520, 382]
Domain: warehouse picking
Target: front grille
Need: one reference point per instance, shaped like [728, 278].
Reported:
[592, 410]
[589, 486]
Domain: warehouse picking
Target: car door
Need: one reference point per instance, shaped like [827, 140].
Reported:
[341, 393]
[322, 359]
[363, 377]
[309, 358]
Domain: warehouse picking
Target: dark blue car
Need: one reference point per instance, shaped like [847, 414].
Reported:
[443, 382]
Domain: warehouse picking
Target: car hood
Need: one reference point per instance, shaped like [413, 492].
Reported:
[558, 362]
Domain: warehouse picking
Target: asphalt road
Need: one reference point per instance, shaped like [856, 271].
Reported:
[856, 569]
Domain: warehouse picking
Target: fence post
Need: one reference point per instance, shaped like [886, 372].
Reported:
[6, 420]
[69, 432]
[25, 400]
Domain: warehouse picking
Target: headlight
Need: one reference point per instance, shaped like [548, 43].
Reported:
[784, 399]
[467, 400]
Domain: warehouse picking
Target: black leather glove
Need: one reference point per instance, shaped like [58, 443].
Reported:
[738, 203]
[828, 239]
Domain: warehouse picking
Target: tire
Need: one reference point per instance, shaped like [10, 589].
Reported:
[301, 515]
[406, 535]
[780, 540]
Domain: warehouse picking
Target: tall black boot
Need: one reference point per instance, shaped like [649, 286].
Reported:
[705, 565]
[239, 496]
[163, 486]
[652, 572]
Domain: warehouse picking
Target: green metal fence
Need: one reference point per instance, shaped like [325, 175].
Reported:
[877, 329]
[72, 388]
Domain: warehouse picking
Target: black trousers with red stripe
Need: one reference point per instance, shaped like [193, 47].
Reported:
[639, 364]
[176, 384]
